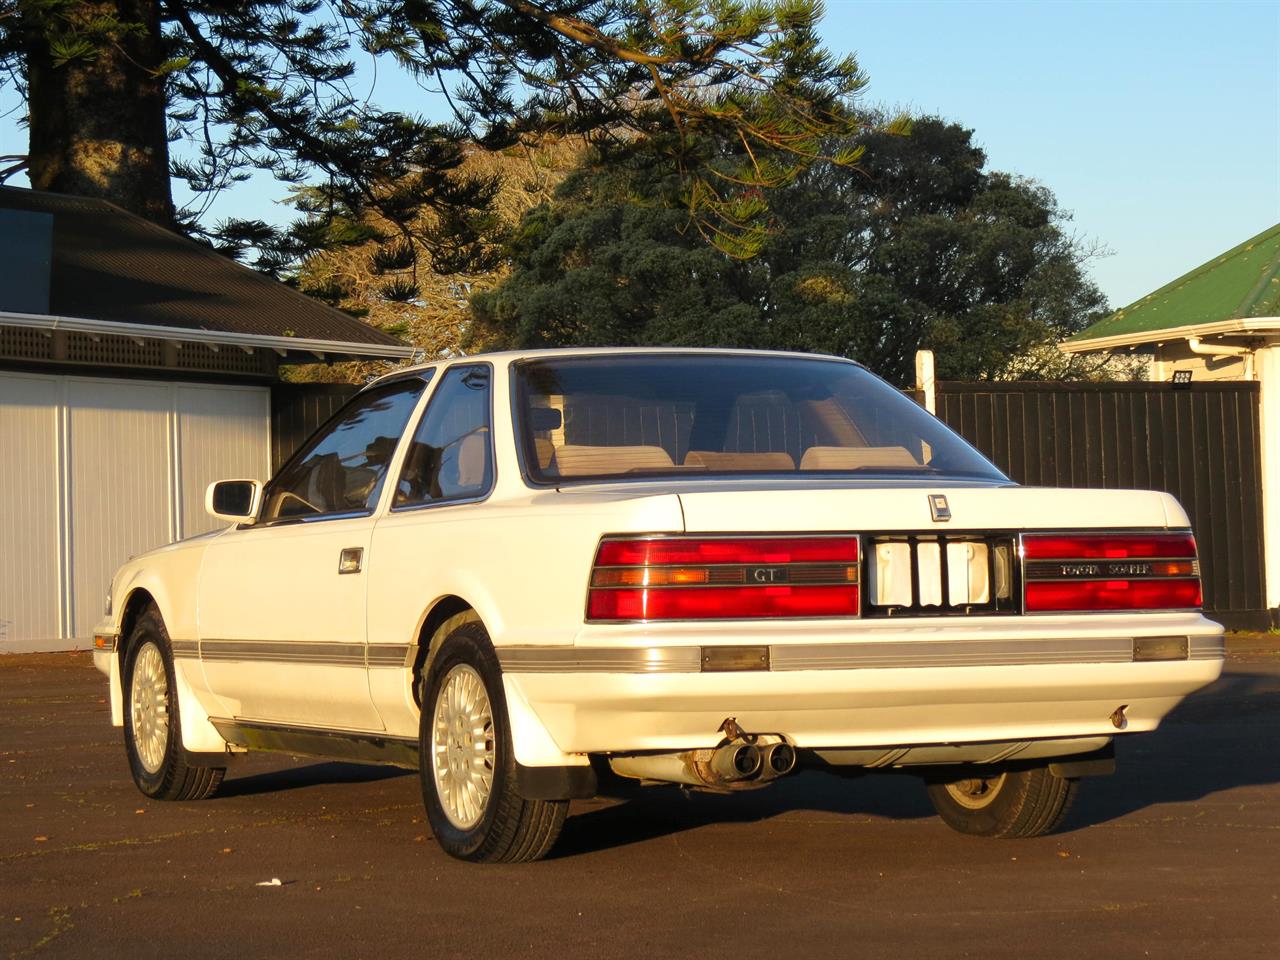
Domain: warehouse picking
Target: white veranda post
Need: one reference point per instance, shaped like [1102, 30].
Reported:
[1267, 365]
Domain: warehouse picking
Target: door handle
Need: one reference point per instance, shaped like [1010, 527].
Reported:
[350, 559]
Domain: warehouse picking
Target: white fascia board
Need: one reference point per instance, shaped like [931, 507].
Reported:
[215, 337]
[1253, 326]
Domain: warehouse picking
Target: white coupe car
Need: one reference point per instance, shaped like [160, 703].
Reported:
[522, 572]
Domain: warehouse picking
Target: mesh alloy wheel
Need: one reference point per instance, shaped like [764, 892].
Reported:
[462, 759]
[149, 703]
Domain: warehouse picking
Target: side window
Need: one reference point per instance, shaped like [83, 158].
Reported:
[342, 468]
[450, 457]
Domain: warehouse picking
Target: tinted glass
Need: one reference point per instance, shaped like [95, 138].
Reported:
[341, 469]
[450, 457]
[670, 415]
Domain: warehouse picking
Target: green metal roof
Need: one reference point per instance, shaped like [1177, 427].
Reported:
[1241, 283]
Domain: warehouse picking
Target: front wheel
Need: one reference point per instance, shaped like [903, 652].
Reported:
[1009, 805]
[468, 765]
[152, 729]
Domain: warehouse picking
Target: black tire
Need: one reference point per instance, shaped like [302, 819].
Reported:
[509, 828]
[160, 774]
[1010, 805]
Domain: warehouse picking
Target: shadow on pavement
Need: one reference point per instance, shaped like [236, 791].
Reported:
[311, 775]
[1219, 739]
[650, 812]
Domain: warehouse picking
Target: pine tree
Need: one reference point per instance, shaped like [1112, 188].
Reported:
[122, 94]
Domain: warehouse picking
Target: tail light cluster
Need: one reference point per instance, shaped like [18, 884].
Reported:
[1155, 571]
[724, 578]
[740, 577]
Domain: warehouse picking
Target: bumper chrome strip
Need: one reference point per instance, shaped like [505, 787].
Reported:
[601, 659]
[898, 654]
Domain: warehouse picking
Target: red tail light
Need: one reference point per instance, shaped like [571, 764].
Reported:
[724, 578]
[1068, 572]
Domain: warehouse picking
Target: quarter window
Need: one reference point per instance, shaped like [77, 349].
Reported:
[451, 457]
[342, 468]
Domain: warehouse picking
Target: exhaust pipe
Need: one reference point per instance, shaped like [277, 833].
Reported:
[777, 760]
[736, 761]
[729, 764]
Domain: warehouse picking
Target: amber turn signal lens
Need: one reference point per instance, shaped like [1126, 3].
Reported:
[650, 577]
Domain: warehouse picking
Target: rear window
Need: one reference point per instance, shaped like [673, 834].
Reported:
[667, 415]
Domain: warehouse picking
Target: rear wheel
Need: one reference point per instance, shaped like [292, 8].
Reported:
[468, 765]
[152, 728]
[1010, 804]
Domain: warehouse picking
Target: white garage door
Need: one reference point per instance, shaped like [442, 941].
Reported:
[93, 471]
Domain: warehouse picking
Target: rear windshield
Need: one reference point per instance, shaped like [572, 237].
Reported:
[653, 416]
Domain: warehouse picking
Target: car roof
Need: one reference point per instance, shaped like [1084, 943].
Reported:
[510, 356]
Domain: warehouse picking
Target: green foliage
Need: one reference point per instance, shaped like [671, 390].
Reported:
[922, 246]
[267, 86]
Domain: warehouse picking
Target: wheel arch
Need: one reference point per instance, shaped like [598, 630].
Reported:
[438, 614]
[199, 736]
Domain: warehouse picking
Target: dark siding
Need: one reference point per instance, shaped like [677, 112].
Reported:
[1200, 444]
[297, 410]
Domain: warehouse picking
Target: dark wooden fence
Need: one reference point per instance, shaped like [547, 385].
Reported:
[1200, 444]
[297, 409]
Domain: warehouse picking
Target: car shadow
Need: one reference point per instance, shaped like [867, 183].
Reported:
[637, 813]
[309, 775]
[1219, 739]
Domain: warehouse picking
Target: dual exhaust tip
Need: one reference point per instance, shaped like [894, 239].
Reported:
[738, 764]
[749, 761]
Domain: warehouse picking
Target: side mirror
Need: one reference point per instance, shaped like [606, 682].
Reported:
[236, 501]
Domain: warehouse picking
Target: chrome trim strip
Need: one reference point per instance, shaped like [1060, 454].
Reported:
[601, 659]
[389, 654]
[1208, 648]
[898, 654]
[893, 654]
[185, 648]
[295, 651]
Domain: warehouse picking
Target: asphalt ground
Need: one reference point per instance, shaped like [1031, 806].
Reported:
[1177, 855]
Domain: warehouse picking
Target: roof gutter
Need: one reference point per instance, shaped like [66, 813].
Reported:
[1247, 327]
[245, 341]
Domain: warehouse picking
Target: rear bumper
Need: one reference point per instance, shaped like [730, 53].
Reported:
[609, 712]
[892, 689]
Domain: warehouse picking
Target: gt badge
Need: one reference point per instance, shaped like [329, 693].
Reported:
[938, 507]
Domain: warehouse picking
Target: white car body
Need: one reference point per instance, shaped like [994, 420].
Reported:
[269, 637]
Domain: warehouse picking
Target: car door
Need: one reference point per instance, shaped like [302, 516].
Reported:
[446, 474]
[281, 603]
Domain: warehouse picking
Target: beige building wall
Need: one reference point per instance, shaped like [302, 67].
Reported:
[1170, 357]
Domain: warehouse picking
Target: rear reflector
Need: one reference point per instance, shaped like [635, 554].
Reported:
[1148, 571]
[724, 578]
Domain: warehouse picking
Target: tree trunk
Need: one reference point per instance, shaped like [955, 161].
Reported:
[97, 121]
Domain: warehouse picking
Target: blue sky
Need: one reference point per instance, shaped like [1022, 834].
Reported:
[1157, 125]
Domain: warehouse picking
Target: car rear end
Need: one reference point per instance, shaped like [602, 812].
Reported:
[898, 603]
